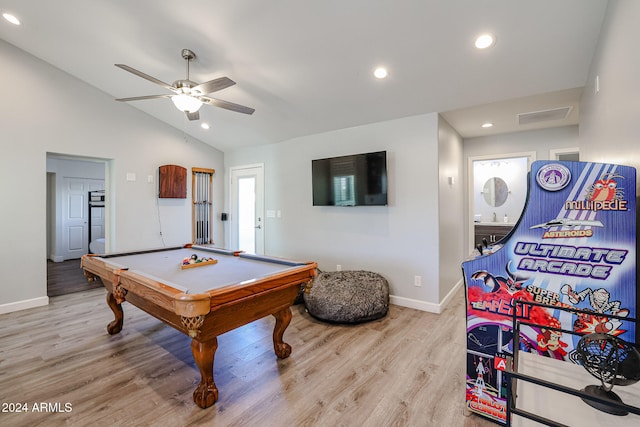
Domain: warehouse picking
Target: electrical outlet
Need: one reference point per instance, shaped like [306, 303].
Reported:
[338, 267]
[417, 280]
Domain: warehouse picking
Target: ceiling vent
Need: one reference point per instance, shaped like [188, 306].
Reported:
[544, 115]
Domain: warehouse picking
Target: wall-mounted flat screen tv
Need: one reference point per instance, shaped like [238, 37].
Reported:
[355, 180]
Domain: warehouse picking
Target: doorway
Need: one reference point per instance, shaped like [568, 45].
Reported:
[497, 192]
[246, 198]
[70, 181]
[568, 154]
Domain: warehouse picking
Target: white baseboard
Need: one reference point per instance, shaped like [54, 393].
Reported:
[23, 305]
[56, 258]
[425, 305]
[447, 298]
[415, 304]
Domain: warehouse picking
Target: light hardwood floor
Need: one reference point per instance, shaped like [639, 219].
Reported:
[404, 370]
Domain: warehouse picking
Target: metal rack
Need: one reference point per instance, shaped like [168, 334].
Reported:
[512, 374]
[96, 199]
[202, 213]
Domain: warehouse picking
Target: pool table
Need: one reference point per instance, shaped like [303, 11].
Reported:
[204, 301]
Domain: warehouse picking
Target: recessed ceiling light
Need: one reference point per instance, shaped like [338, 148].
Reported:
[380, 72]
[485, 40]
[11, 18]
[205, 126]
[487, 125]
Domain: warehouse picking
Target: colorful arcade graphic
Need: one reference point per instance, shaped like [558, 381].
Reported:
[574, 246]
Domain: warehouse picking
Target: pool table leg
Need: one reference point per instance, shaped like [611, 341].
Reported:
[283, 318]
[116, 325]
[206, 393]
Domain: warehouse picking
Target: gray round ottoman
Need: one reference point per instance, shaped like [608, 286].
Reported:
[348, 296]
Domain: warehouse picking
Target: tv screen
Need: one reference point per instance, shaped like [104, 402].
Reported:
[356, 180]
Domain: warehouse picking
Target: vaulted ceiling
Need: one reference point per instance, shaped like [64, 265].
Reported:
[306, 66]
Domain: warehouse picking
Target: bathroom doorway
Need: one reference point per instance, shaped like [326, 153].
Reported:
[497, 193]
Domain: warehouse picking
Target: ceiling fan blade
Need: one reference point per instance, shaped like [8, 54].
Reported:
[213, 85]
[226, 105]
[139, 98]
[147, 77]
[193, 116]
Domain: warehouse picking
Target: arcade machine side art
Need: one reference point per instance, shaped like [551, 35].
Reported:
[573, 246]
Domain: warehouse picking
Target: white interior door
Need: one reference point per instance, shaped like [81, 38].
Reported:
[75, 192]
[247, 208]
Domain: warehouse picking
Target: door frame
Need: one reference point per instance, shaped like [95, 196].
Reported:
[554, 154]
[530, 155]
[53, 212]
[233, 205]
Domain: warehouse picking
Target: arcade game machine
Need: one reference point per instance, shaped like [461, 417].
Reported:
[573, 246]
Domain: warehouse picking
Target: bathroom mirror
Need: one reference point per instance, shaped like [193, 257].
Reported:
[495, 191]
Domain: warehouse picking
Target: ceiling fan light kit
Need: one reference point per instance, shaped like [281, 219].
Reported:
[186, 103]
[189, 95]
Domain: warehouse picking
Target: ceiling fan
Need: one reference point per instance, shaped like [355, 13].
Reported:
[188, 96]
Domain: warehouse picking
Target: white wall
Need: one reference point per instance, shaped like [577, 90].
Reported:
[609, 120]
[451, 211]
[399, 241]
[46, 110]
[540, 141]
